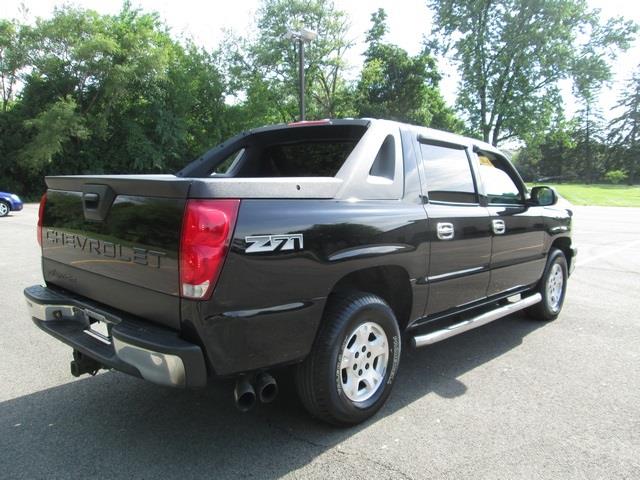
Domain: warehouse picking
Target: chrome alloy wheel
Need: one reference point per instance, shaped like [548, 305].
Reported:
[364, 362]
[4, 209]
[555, 284]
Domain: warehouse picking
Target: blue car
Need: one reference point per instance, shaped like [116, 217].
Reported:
[9, 202]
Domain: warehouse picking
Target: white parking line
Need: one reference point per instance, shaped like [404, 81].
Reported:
[608, 253]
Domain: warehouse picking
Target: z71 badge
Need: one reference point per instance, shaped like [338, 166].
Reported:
[272, 243]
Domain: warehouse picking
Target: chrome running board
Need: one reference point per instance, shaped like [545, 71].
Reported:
[488, 317]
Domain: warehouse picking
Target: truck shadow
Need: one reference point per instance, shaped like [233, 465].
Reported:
[116, 426]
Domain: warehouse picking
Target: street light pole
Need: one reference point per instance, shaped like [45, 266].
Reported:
[301, 76]
[301, 37]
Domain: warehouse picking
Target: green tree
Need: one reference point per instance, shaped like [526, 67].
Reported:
[106, 94]
[397, 86]
[264, 68]
[624, 131]
[55, 126]
[512, 53]
[589, 136]
[13, 58]
[550, 154]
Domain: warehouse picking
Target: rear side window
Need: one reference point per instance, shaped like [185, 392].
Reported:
[448, 175]
[228, 164]
[384, 165]
[498, 184]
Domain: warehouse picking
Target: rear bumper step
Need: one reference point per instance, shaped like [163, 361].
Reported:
[138, 348]
[488, 317]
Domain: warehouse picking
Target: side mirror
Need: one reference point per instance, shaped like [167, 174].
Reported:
[542, 196]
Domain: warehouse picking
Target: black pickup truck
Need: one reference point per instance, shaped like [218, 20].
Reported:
[316, 245]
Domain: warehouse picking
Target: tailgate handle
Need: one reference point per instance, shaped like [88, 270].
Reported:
[91, 200]
[96, 201]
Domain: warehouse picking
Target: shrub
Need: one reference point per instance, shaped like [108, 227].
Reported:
[616, 176]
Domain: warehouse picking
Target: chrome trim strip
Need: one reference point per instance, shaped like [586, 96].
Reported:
[367, 251]
[457, 273]
[160, 368]
[443, 334]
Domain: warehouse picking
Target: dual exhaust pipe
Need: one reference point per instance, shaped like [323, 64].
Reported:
[250, 388]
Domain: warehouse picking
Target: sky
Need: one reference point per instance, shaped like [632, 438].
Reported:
[408, 21]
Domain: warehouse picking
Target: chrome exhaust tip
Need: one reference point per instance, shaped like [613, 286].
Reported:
[244, 395]
[266, 387]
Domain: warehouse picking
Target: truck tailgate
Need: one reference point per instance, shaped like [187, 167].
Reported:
[115, 240]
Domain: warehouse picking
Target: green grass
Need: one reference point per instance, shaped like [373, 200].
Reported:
[600, 194]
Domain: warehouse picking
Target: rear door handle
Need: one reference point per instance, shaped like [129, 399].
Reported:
[445, 231]
[499, 227]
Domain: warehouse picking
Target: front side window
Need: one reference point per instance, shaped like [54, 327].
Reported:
[448, 174]
[499, 187]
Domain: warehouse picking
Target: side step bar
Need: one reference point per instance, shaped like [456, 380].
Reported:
[488, 317]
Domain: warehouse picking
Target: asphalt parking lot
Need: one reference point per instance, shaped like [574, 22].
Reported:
[513, 399]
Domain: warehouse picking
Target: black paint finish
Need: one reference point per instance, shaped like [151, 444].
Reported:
[129, 260]
[267, 307]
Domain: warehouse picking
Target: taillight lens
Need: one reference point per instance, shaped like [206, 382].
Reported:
[43, 202]
[207, 228]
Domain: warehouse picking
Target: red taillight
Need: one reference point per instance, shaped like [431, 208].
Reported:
[206, 232]
[43, 201]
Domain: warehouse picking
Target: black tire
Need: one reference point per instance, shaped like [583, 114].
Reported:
[551, 306]
[5, 208]
[320, 378]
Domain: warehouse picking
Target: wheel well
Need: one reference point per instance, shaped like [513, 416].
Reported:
[391, 283]
[564, 244]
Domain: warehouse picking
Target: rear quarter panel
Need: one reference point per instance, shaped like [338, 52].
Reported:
[267, 306]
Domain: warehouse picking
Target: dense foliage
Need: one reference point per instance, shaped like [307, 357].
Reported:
[397, 86]
[103, 94]
[89, 93]
[587, 149]
[512, 53]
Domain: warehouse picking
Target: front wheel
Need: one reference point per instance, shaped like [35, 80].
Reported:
[4, 209]
[552, 287]
[349, 374]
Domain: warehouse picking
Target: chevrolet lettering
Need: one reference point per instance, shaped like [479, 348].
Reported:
[94, 246]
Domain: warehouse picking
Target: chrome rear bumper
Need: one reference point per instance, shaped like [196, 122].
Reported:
[133, 346]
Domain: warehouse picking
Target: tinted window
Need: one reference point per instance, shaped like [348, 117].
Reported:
[498, 184]
[384, 164]
[228, 163]
[448, 175]
[308, 159]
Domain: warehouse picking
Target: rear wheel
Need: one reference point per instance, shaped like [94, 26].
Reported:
[349, 374]
[4, 209]
[552, 287]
